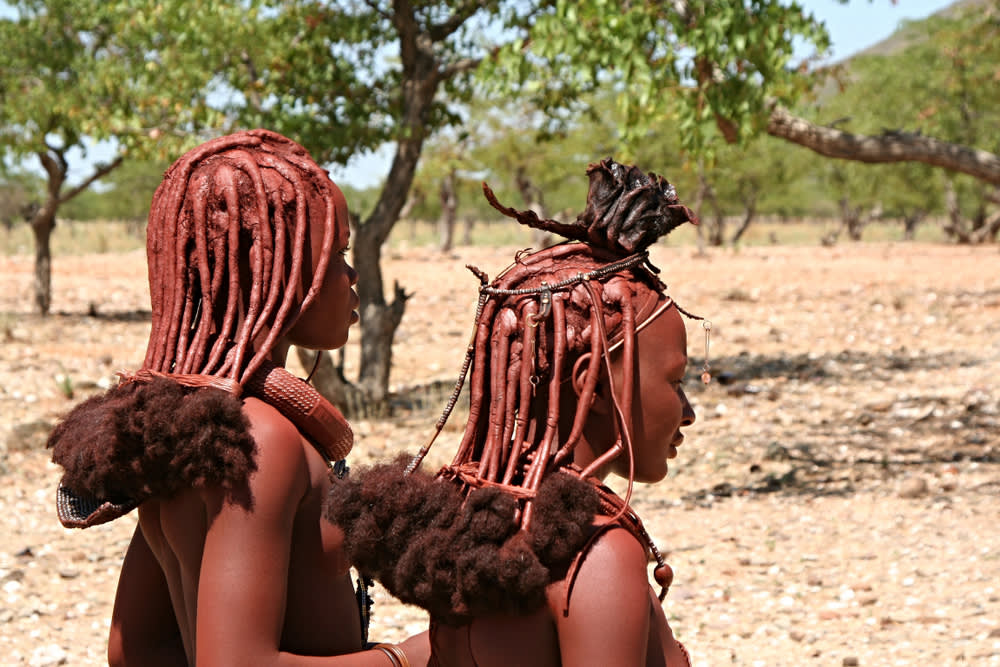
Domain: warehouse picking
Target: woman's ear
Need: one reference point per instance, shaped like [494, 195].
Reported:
[600, 399]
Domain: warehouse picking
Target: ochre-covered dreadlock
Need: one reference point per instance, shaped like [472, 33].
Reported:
[246, 195]
[231, 268]
[517, 510]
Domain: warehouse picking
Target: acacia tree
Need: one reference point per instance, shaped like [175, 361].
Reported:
[346, 77]
[349, 76]
[720, 69]
[963, 100]
[74, 72]
[936, 76]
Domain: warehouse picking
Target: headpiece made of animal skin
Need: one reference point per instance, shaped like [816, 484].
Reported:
[627, 209]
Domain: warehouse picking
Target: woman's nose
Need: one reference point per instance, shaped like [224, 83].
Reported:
[352, 274]
[687, 412]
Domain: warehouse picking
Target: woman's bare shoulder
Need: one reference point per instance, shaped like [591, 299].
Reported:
[614, 560]
[602, 608]
[281, 458]
[269, 427]
[614, 554]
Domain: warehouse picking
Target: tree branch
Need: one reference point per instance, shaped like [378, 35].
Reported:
[888, 147]
[253, 97]
[459, 67]
[406, 26]
[99, 172]
[459, 16]
[53, 161]
[374, 6]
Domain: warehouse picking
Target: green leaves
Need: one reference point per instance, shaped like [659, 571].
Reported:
[709, 65]
[135, 72]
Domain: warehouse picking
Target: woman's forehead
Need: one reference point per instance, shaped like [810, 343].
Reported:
[668, 330]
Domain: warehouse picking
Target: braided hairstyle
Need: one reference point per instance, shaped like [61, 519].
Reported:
[246, 195]
[231, 269]
[512, 510]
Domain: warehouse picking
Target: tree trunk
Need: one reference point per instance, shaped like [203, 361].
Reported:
[716, 231]
[422, 75]
[44, 220]
[954, 229]
[749, 213]
[329, 380]
[467, 230]
[379, 319]
[854, 219]
[990, 228]
[699, 203]
[449, 208]
[532, 197]
[42, 225]
[910, 222]
[850, 219]
[414, 199]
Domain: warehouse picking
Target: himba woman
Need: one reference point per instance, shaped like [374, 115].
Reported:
[227, 456]
[517, 549]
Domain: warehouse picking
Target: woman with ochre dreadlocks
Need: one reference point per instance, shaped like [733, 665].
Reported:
[227, 456]
[517, 549]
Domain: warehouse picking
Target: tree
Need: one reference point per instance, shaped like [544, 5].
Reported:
[19, 194]
[937, 77]
[528, 164]
[351, 76]
[125, 194]
[721, 70]
[324, 75]
[347, 77]
[74, 72]
[946, 94]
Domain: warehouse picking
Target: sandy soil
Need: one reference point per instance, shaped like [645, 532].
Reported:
[835, 504]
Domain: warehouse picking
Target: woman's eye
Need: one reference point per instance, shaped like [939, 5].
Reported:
[345, 250]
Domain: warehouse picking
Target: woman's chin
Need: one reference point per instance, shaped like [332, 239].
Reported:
[652, 476]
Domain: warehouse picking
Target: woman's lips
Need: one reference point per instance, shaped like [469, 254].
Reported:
[355, 315]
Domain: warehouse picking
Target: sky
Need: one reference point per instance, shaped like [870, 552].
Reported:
[853, 27]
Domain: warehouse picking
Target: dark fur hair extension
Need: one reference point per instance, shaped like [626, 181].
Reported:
[564, 511]
[138, 440]
[456, 559]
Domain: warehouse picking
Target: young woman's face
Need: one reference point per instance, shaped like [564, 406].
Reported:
[659, 407]
[325, 324]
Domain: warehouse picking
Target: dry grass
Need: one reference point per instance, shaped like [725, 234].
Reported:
[114, 236]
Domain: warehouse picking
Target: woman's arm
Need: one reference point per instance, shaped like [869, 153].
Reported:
[143, 626]
[609, 611]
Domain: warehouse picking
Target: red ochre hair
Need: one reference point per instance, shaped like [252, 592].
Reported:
[228, 248]
[507, 517]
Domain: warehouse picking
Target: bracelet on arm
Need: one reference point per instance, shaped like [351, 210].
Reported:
[395, 653]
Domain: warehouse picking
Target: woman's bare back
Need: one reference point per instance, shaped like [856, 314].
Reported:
[612, 613]
[275, 543]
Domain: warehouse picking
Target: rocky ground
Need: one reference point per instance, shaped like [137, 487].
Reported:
[835, 504]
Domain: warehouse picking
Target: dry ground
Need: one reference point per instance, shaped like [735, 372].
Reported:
[835, 504]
